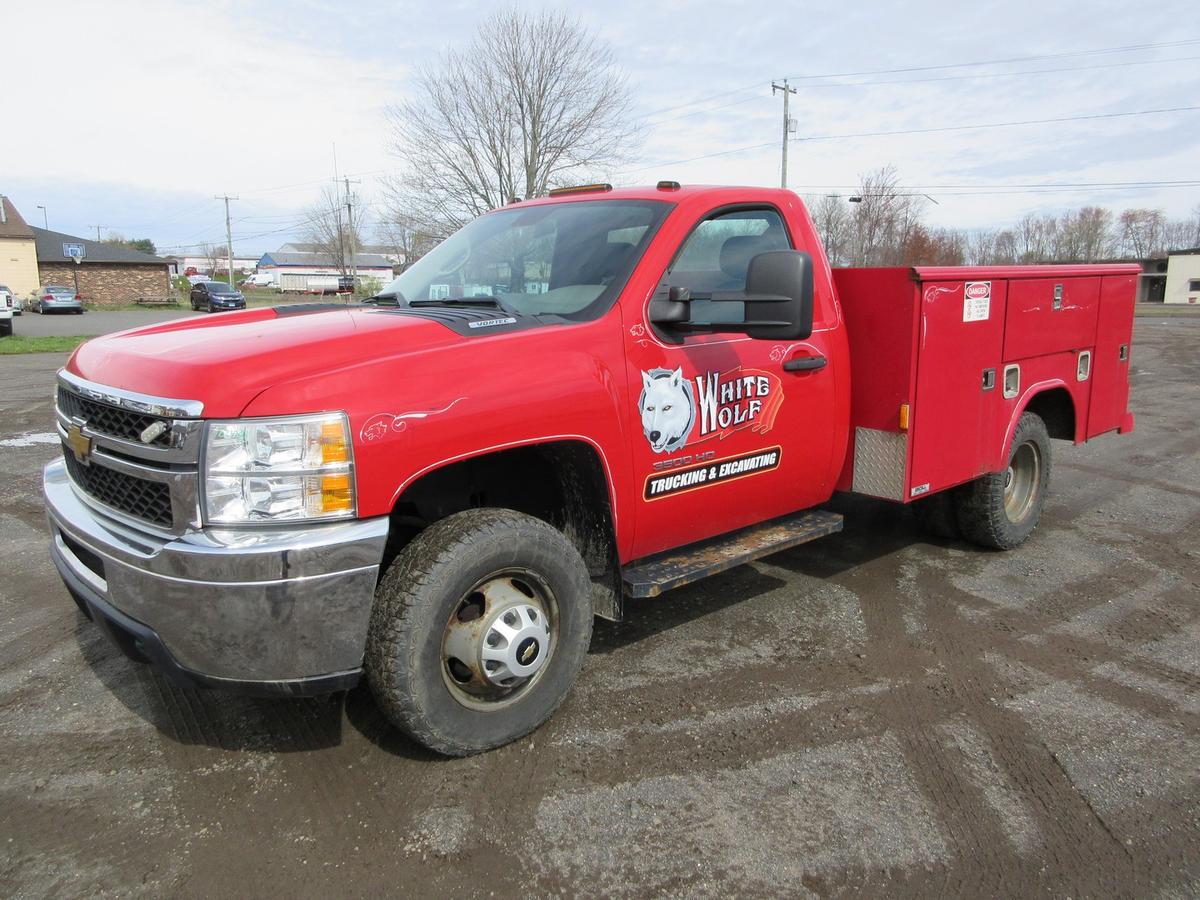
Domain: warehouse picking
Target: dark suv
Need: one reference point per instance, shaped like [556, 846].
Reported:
[216, 295]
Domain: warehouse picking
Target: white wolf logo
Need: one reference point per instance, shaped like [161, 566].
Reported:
[667, 408]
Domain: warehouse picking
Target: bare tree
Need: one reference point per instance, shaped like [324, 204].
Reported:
[534, 101]
[883, 220]
[214, 255]
[327, 227]
[1085, 235]
[405, 237]
[831, 217]
[1141, 232]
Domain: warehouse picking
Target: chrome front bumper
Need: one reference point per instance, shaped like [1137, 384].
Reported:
[278, 611]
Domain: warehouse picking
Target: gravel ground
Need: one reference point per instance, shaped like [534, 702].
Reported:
[94, 321]
[872, 714]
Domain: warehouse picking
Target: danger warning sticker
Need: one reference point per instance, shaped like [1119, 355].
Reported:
[712, 472]
[977, 301]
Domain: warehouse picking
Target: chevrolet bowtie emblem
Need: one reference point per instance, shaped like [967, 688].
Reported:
[80, 443]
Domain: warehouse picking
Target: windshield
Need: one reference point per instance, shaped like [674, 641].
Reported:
[219, 287]
[563, 259]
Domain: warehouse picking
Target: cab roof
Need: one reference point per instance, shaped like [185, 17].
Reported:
[653, 192]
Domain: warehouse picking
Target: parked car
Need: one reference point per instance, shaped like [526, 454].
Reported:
[260, 279]
[194, 277]
[10, 300]
[56, 298]
[6, 311]
[212, 296]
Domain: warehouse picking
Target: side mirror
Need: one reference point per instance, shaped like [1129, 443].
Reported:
[779, 295]
[777, 303]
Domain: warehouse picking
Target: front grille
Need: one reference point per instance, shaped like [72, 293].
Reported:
[148, 500]
[111, 420]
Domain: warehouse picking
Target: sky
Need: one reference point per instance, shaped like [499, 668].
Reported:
[136, 115]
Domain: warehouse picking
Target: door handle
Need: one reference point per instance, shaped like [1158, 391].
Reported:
[805, 364]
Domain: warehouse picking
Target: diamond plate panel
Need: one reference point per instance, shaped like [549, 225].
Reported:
[879, 463]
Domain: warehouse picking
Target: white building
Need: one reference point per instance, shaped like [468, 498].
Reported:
[1183, 276]
[316, 273]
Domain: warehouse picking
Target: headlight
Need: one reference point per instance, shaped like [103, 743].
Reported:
[265, 470]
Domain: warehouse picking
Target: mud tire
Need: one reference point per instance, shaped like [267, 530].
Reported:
[415, 599]
[982, 513]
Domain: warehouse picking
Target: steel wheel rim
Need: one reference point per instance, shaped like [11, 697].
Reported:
[499, 639]
[1021, 482]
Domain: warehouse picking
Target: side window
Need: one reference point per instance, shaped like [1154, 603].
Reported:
[718, 252]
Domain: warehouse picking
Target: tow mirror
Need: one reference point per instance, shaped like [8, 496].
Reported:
[777, 303]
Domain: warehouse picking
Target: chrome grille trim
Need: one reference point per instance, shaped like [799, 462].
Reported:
[146, 404]
[176, 465]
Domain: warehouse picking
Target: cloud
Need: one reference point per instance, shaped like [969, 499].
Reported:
[137, 113]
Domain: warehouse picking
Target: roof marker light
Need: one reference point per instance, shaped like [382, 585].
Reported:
[668, 185]
[580, 189]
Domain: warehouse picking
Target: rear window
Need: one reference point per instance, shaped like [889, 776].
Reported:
[56, 289]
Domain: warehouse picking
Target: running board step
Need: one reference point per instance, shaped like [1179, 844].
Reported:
[654, 574]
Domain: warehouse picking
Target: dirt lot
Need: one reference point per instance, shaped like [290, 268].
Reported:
[871, 714]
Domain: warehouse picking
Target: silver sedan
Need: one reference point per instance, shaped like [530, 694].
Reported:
[56, 298]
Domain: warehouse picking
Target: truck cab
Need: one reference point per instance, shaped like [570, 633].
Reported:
[594, 395]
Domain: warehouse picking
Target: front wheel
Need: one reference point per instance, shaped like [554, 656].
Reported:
[1002, 509]
[478, 630]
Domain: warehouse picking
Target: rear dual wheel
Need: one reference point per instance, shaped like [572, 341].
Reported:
[478, 630]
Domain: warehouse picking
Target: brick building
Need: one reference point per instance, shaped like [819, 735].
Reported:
[108, 275]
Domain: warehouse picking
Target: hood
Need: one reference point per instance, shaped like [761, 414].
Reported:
[225, 363]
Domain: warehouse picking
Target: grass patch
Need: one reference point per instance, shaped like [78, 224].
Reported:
[24, 343]
[1168, 309]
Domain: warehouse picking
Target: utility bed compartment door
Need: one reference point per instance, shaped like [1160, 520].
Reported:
[1110, 365]
[1050, 315]
[955, 413]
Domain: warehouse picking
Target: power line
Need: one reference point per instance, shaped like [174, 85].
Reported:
[997, 62]
[896, 81]
[835, 137]
[1114, 65]
[1128, 48]
[940, 128]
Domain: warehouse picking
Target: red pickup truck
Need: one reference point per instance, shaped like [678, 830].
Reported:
[593, 395]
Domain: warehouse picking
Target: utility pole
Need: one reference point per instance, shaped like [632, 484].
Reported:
[97, 227]
[228, 233]
[787, 125]
[353, 248]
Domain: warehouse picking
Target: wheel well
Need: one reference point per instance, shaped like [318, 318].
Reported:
[562, 483]
[1057, 410]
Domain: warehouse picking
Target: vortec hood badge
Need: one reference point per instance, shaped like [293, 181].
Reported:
[151, 431]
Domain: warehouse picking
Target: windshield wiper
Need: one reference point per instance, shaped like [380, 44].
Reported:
[493, 302]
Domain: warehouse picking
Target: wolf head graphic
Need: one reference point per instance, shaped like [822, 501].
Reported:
[667, 408]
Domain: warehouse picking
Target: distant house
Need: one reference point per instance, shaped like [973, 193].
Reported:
[311, 271]
[106, 274]
[1183, 276]
[18, 253]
